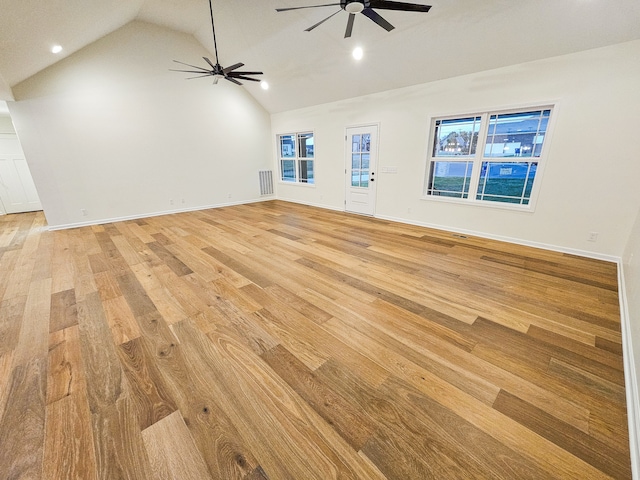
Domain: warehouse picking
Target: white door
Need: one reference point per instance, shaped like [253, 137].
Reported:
[17, 191]
[361, 160]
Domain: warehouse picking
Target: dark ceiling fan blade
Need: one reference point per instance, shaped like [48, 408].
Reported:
[233, 80]
[309, 6]
[347, 33]
[242, 77]
[193, 66]
[378, 19]
[199, 76]
[246, 73]
[322, 21]
[232, 67]
[209, 62]
[403, 6]
[205, 72]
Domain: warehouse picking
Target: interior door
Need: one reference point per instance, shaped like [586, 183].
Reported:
[361, 160]
[17, 191]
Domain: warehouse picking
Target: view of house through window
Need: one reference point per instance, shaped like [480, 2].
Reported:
[296, 151]
[491, 157]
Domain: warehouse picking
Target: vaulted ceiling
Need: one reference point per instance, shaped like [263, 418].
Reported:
[307, 68]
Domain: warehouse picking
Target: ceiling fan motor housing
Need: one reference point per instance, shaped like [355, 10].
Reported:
[354, 6]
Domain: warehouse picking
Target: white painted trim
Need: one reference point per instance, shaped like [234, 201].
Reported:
[155, 214]
[630, 377]
[517, 241]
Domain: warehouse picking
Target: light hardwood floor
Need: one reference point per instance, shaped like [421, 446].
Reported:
[280, 341]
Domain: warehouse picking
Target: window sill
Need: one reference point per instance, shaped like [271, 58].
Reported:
[485, 204]
[298, 184]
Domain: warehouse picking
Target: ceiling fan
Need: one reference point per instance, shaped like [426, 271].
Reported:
[366, 8]
[217, 71]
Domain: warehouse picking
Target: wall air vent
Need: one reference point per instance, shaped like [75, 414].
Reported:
[266, 182]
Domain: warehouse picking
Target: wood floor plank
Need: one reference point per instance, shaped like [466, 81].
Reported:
[69, 450]
[65, 373]
[5, 376]
[122, 323]
[11, 314]
[169, 259]
[147, 387]
[172, 451]
[118, 444]
[63, 310]
[216, 437]
[238, 267]
[580, 444]
[354, 427]
[306, 446]
[22, 423]
[454, 448]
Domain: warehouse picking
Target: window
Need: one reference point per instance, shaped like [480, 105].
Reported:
[489, 157]
[296, 152]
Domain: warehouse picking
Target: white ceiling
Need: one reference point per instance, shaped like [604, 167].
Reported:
[307, 68]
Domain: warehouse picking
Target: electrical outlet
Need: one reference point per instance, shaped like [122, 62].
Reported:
[84, 212]
[171, 201]
[229, 195]
[593, 237]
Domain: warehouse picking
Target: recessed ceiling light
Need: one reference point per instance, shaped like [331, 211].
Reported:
[264, 84]
[56, 49]
[357, 53]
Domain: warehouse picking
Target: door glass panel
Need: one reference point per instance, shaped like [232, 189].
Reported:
[360, 159]
[366, 143]
[364, 178]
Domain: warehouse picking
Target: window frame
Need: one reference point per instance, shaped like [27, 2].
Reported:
[297, 159]
[478, 158]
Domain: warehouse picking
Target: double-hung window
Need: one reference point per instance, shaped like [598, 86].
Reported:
[296, 152]
[487, 157]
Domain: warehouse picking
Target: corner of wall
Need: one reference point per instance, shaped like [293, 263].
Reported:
[630, 376]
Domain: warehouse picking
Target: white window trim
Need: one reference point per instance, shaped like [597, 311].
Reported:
[296, 159]
[478, 157]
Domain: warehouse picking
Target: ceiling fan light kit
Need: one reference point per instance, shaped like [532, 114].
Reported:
[365, 7]
[217, 71]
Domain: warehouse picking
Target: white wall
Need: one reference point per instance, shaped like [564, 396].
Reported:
[631, 269]
[7, 132]
[112, 131]
[590, 181]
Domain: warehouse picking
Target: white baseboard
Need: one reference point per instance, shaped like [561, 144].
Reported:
[517, 241]
[155, 214]
[630, 377]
